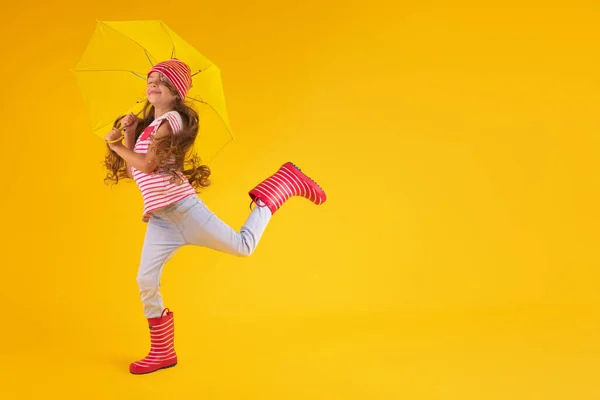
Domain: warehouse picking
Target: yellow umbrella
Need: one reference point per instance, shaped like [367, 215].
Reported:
[112, 77]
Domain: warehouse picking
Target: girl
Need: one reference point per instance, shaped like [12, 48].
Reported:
[152, 152]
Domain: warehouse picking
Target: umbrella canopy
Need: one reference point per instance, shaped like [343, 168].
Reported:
[113, 70]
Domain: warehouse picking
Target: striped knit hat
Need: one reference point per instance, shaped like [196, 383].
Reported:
[178, 74]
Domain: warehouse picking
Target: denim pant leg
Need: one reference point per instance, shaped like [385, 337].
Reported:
[201, 227]
[162, 239]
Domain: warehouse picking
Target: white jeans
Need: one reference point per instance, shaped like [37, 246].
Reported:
[190, 222]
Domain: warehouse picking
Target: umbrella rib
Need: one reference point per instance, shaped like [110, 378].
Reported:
[109, 122]
[148, 57]
[139, 75]
[203, 70]
[170, 38]
[221, 118]
[128, 37]
[216, 112]
[220, 151]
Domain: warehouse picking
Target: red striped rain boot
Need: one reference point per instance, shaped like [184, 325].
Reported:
[162, 348]
[287, 182]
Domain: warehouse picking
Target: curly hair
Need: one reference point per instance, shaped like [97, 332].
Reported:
[116, 166]
[175, 151]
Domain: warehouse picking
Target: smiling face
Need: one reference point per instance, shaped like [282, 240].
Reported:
[159, 92]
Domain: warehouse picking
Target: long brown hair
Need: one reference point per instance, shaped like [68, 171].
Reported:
[116, 166]
[175, 151]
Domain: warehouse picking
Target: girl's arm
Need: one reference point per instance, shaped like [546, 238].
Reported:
[130, 144]
[142, 162]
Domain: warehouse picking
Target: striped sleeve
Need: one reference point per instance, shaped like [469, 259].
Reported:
[175, 121]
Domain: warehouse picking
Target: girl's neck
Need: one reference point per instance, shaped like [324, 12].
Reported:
[160, 111]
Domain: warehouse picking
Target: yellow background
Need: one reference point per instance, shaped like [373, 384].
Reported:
[456, 257]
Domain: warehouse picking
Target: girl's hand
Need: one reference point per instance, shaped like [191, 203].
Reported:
[113, 135]
[130, 121]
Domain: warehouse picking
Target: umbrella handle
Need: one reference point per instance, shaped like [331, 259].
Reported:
[121, 128]
[116, 140]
